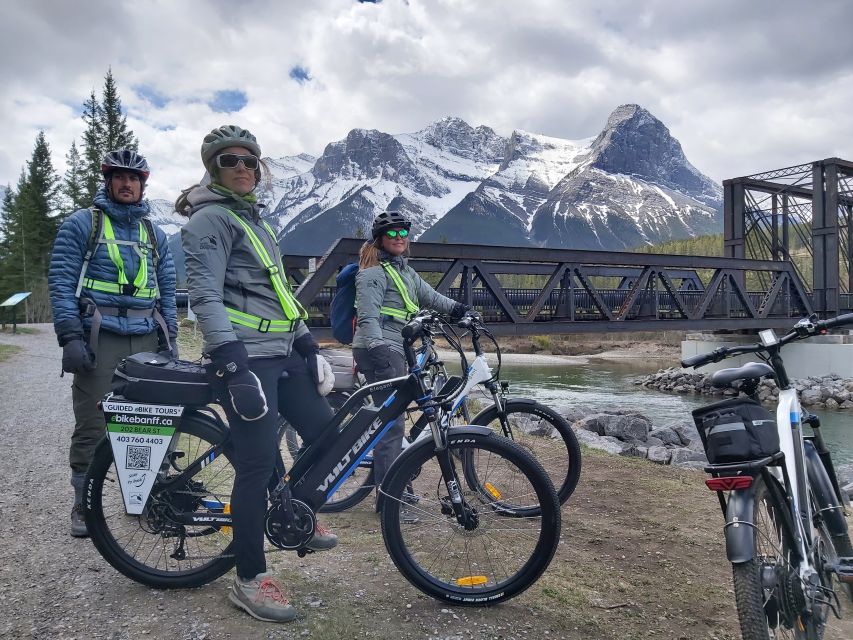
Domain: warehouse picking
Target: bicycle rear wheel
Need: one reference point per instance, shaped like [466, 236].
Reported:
[152, 548]
[499, 554]
[543, 433]
[768, 590]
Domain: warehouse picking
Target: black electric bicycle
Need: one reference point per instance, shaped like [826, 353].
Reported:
[786, 533]
[488, 516]
[538, 429]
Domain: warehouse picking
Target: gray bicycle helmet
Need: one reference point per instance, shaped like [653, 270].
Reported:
[389, 220]
[226, 136]
[127, 160]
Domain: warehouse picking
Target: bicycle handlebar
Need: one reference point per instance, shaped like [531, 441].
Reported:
[805, 328]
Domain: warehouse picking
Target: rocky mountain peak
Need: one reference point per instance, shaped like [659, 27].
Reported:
[460, 138]
[364, 153]
[636, 143]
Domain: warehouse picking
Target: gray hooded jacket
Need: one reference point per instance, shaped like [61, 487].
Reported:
[223, 270]
[374, 289]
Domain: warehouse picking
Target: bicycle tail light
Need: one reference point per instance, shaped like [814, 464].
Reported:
[729, 483]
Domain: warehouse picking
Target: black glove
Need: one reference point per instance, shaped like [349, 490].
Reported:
[380, 358]
[459, 309]
[231, 363]
[77, 357]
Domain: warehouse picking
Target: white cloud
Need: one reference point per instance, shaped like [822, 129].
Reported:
[744, 86]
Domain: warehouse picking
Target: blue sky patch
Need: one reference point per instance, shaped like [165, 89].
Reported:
[151, 96]
[228, 101]
[300, 74]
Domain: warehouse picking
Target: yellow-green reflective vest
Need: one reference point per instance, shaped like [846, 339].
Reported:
[410, 307]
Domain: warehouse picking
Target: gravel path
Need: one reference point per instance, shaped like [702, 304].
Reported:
[51, 585]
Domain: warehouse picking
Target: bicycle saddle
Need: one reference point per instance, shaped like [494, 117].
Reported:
[749, 371]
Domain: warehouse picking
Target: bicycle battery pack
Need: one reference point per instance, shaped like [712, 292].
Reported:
[158, 379]
[736, 430]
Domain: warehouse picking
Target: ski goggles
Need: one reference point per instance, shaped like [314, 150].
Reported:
[393, 233]
[231, 160]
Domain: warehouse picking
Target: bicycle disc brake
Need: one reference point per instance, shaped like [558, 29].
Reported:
[289, 530]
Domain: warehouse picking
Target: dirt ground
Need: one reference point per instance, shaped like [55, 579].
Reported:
[641, 556]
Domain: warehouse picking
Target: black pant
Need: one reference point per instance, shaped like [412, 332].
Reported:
[255, 449]
[391, 444]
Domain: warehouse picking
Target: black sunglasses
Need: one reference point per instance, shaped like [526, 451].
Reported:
[231, 160]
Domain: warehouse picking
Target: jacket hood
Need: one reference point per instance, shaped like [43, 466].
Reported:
[204, 195]
[399, 262]
[124, 213]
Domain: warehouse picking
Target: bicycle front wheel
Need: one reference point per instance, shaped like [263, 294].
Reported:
[495, 554]
[153, 548]
[543, 433]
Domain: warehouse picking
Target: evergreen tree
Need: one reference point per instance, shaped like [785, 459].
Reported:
[114, 122]
[93, 147]
[73, 184]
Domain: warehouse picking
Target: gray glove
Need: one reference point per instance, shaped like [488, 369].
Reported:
[77, 357]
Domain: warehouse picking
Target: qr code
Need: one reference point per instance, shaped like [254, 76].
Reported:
[138, 457]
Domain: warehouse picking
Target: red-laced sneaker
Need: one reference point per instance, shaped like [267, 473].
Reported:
[263, 598]
[323, 539]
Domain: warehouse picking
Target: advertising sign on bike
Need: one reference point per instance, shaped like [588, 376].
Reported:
[140, 435]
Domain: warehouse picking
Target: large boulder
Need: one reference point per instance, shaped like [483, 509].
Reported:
[811, 396]
[630, 428]
[683, 454]
[659, 455]
[667, 436]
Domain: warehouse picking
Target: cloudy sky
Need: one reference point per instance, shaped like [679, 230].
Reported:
[745, 86]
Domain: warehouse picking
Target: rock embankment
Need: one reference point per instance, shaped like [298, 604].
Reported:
[629, 433]
[830, 391]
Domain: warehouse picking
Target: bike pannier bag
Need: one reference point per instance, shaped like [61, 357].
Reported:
[736, 430]
[158, 379]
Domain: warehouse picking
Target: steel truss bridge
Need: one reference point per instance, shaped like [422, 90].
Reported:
[526, 291]
[802, 214]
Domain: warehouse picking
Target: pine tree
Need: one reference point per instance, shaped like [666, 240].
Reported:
[114, 122]
[73, 184]
[93, 147]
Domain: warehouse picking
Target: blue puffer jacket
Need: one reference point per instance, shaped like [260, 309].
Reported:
[66, 262]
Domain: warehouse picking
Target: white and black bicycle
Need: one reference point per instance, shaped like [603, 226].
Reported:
[785, 526]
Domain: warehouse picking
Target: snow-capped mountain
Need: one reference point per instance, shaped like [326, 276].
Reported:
[630, 185]
[627, 186]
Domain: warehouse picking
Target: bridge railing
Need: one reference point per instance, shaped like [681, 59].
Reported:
[581, 291]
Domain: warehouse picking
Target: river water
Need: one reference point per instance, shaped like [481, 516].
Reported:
[603, 384]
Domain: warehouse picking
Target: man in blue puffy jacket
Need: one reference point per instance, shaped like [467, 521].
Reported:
[112, 289]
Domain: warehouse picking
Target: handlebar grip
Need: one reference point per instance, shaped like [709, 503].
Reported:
[413, 330]
[696, 361]
[837, 321]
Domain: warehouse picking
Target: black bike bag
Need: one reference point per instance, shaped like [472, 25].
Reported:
[158, 379]
[736, 430]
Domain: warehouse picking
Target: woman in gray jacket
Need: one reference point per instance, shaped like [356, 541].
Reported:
[388, 293]
[254, 332]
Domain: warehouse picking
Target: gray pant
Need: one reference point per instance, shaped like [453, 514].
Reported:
[90, 387]
[391, 444]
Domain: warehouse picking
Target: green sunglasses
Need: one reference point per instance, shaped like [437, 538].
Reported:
[393, 233]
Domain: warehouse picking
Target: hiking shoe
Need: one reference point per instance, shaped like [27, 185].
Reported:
[78, 523]
[323, 539]
[262, 598]
[407, 515]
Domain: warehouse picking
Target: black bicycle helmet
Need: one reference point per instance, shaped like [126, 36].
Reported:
[125, 159]
[389, 220]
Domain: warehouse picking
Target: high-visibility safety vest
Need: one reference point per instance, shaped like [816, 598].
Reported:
[293, 311]
[410, 307]
[139, 288]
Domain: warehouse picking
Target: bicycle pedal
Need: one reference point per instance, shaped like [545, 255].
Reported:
[303, 551]
[843, 568]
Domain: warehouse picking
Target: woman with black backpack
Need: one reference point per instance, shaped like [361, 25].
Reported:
[388, 293]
